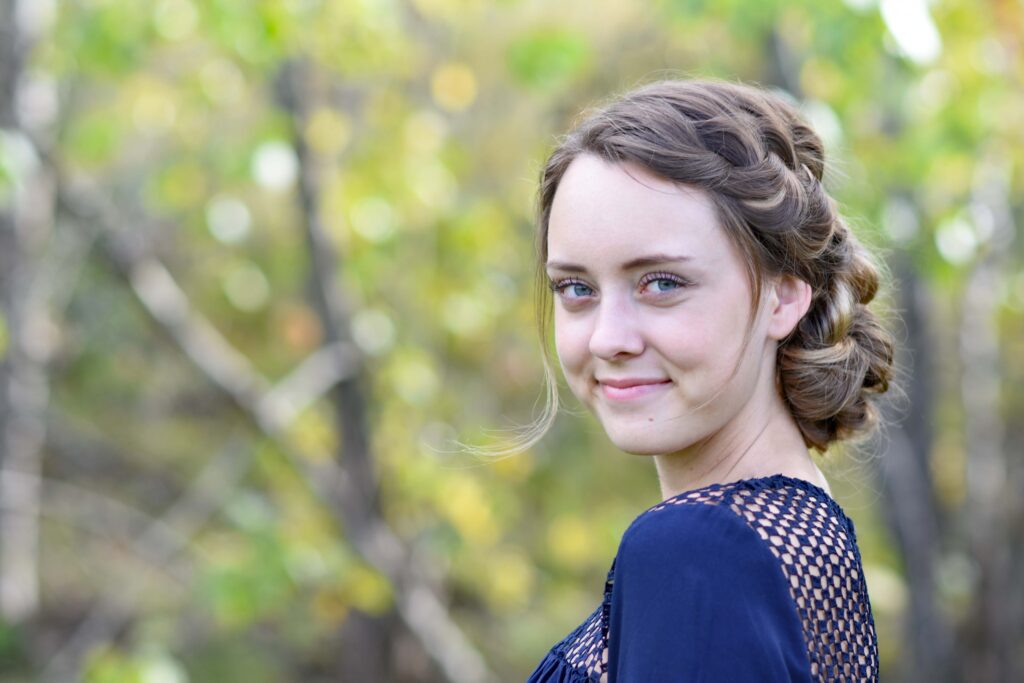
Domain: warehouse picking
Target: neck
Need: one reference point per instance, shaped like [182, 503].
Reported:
[762, 439]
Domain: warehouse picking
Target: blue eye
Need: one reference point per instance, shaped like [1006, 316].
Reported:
[560, 286]
[665, 279]
[675, 281]
[572, 288]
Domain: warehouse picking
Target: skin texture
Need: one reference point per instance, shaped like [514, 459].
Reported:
[683, 322]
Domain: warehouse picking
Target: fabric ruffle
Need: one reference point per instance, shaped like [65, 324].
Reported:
[554, 669]
[588, 640]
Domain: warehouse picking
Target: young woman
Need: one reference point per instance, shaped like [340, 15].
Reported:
[710, 308]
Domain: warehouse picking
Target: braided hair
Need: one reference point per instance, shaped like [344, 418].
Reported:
[762, 165]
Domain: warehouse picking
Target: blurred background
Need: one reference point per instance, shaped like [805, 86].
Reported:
[262, 263]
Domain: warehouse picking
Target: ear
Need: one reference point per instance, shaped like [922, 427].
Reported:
[789, 300]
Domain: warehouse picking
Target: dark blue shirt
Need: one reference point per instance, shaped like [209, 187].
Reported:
[756, 580]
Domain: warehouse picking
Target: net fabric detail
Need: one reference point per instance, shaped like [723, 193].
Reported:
[814, 542]
[582, 656]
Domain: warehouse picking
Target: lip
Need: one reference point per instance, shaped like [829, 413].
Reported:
[627, 389]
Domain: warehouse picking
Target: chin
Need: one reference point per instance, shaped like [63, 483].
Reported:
[646, 440]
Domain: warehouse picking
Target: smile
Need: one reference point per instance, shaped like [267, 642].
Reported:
[633, 392]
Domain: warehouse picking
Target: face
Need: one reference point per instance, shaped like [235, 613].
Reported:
[652, 296]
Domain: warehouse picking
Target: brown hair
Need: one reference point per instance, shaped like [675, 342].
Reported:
[762, 165]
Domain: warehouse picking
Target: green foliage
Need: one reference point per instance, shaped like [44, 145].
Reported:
[547, 58]
[93, 139]
[4, 336]
[104, 38]
[12, 649]
[113, 666]
[427, 123]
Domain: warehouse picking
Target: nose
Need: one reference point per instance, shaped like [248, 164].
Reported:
[616, 330]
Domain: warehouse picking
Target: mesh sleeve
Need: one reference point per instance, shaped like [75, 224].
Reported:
[699, 596]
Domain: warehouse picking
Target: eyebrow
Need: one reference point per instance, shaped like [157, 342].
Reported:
[640, 262]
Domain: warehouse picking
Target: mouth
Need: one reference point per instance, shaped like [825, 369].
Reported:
[633, 392]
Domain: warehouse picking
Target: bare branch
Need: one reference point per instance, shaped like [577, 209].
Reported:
[990, 500]
[202, 345]
[152, 539]
[25, 228]
[422, 611]
[162, 541]
[306, 384]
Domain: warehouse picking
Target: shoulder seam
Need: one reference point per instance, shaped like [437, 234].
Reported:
[720, 503]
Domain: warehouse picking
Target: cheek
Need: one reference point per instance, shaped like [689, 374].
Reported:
[705, 340]
[686, 339]
[571, 344]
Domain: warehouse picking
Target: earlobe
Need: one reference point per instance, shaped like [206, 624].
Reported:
[791, 297]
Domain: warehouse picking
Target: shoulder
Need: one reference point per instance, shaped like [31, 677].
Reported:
[696, 542]
[684, 525]
[698, 594]
[783, 512]
[765, 556]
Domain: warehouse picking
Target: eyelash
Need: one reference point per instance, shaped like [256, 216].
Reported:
[557, 286]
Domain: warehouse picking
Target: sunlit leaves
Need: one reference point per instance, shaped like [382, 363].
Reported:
[427, 123]
[373, 218]
[106, 38]
[367, 590]
[18, 161]
[911, 26]
[511, 579]
[569, 541]
[431, 183]
[547, 58]
[358, 40]
[274, 165]
[10, 645]
[514, 469]
[181, 184]
[4, 336]
[450, 11]
[373, 330]
[152, 104]
[453, 86]
[822, 79]
[253, 586]
[228, 219]
[245, 285]
[413, 375]
[94, 138]
[424, 132]
[175, 19]
[328, 131]
[464, 503]
[114, 666]
[298, 327]
[110, 666]
[222, 81]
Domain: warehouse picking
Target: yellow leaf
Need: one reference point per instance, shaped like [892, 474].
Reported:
[510, 579]
[454, 86]
[329, 607]
[4, 337]
[463, 502]
[570, 541]
[313, 433]
[515, 468]
[328, 131]
[369, 590]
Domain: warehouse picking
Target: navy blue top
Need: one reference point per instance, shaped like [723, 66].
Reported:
[755, 580]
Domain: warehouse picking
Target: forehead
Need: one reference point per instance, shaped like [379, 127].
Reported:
[613, 212]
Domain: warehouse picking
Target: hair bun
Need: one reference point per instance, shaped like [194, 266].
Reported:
[762, 164]
[839, 355]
